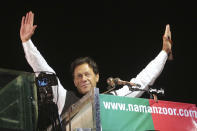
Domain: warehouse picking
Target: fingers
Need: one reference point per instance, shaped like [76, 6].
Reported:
[23, 21]
[167, 42]
[167, 33]
[32, 18]
[34, 27]
[29, 18]
[26, 18]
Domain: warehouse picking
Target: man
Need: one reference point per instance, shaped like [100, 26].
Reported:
[84, 70]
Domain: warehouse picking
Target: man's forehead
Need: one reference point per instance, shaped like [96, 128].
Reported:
[83, 68]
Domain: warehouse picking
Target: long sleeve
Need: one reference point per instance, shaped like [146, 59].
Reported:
[147, 76]
[38, 63]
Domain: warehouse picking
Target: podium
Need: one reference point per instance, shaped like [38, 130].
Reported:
[84, 115]
[18, 101]
[102, 112]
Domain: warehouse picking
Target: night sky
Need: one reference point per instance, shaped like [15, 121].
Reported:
[122, 37]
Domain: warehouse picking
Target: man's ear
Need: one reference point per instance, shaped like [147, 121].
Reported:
[97, 77]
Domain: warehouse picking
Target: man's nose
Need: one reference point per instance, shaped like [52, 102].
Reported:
[84, 77]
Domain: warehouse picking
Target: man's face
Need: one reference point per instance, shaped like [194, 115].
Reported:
[84, 78]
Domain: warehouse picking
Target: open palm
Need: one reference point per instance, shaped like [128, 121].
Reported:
[167, 42]
[27, 28]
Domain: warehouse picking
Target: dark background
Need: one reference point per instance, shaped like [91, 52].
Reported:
[122, 37]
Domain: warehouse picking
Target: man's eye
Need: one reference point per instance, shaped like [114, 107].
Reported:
[79, 76]
[87, 74]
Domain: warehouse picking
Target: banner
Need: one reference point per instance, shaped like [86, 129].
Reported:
[138, 114]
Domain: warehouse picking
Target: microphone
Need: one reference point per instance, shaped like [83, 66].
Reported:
[110, 82]
[117, 81]
[111, 86]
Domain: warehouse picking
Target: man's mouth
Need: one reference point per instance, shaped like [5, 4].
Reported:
[84, 85]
